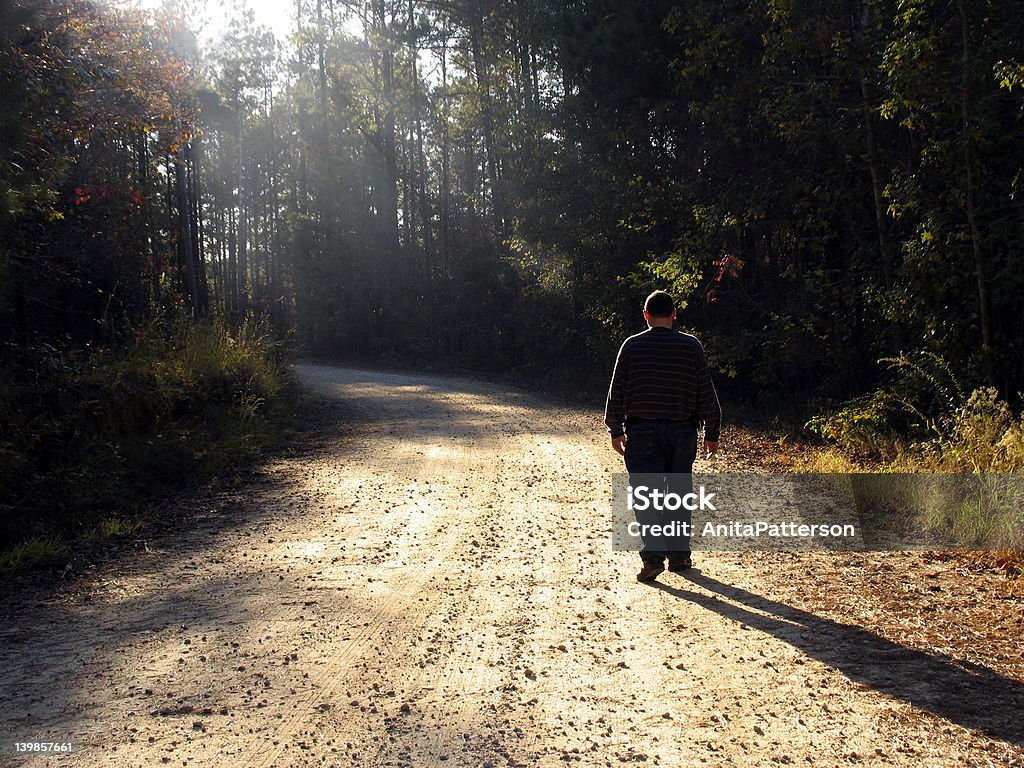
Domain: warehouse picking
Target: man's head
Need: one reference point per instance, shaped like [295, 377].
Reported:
[659, 309]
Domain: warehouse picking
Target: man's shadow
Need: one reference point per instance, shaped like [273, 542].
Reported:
[968, 694]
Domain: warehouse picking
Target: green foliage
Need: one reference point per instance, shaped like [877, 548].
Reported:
[87, 435]
[917, 403]
[114, 527]
[680, 273]
[924, 422]
[863, 425]
[821, 186]
[95, 105]
[33, 553]
[980, 436]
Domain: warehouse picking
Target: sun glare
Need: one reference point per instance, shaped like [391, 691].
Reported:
[211, 20]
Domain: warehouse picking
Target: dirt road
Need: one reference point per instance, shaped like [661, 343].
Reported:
[428, 581]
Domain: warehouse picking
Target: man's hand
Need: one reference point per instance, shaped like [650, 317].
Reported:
[619, 444]
[710, 448]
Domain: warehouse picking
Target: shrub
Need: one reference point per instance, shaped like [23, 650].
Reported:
[981, 436]
[949, 434]
[861, 426]
[88, 432]
[920, 398]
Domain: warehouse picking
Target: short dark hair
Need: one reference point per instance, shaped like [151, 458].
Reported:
[659, 304]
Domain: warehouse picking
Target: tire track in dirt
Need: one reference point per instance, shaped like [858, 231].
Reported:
[421, 592]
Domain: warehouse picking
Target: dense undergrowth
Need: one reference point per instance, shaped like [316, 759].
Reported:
[89, 437]
[925, 421]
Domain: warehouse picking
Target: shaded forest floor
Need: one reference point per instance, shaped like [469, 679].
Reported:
[425, 580]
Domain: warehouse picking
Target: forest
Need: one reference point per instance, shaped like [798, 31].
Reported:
[831, 190]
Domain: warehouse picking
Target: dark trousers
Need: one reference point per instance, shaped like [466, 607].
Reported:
[666, 449]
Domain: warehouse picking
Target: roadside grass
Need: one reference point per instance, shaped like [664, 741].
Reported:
[826, 462]
[986, 517]
[90, 438]
[978, 442]
[114, 527]
[34, 553]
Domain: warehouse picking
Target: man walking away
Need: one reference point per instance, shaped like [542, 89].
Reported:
[660, 395]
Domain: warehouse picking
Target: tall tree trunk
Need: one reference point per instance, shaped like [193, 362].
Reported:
[446, 196]
[408, 194]
[522, 43]
[388, 142]
[184, 233]
[242, 227]
[193, 155]
[142, 152]
[426, 214]
[874, 165]
[972, 215]
[487, 118]
[418, 161]
[219, 255]
[276, 241]
[321, 58]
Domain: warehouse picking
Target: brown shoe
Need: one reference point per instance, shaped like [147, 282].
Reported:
[650, 571]
[678, 565]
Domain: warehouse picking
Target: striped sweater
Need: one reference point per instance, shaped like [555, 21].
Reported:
[662, 374]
